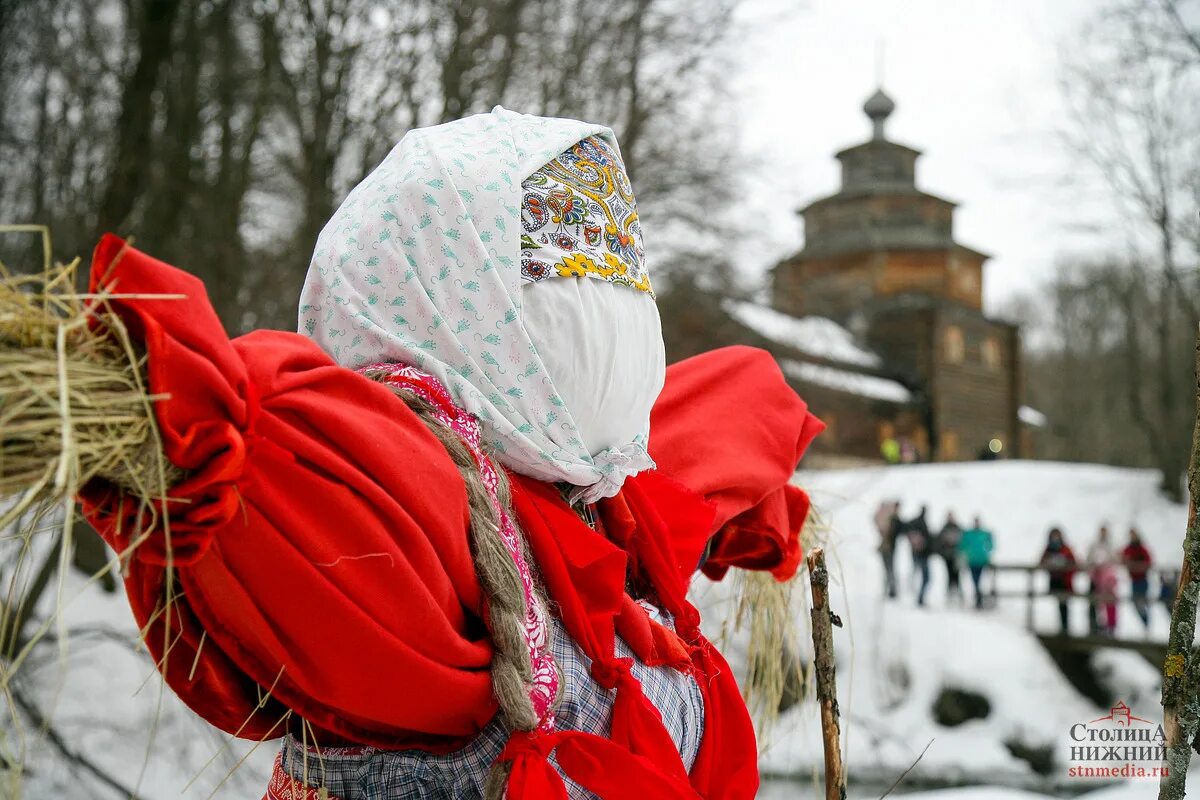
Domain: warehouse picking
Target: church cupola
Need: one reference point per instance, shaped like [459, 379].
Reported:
[879, 234]
[878, 163]
[878, 108]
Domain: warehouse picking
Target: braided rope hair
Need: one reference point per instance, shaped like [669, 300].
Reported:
[505, 608]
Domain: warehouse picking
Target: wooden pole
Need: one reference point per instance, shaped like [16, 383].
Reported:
[823, 621]
[1181, 670]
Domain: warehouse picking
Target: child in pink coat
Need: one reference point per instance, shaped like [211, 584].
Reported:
[1102, 564]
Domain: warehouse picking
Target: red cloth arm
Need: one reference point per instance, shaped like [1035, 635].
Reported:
[318, 550]
[728, 426]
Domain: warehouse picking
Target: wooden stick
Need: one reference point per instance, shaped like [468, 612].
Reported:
[1181, 671]
[823, 621]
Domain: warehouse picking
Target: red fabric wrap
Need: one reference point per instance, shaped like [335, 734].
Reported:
[585, 574]
[728, 426]
[639, 759]
[319, 550]
[323, 519]
[658, 520]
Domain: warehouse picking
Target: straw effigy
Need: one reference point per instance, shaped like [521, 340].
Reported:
[75, 406]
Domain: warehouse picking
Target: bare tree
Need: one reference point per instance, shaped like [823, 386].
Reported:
[223, 134]
[1136, 119]
[226, 142]
[1101, 340]
[127, 177]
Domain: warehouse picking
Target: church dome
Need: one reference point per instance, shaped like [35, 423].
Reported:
[879, 105]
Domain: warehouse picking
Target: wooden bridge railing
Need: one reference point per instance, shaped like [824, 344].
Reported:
[1064, 641]
[1033, 590]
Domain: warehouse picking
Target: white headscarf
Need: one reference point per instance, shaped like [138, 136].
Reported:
[421, 265]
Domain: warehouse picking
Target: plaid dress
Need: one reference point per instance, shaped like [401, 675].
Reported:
[373, 774]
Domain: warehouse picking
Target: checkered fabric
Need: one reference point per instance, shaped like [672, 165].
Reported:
[373, 774]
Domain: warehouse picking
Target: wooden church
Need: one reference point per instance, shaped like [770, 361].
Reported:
[879, 321]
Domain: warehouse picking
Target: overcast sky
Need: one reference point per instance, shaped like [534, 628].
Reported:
[976, 85]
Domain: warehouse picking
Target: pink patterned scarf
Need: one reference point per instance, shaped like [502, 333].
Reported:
[544, 688]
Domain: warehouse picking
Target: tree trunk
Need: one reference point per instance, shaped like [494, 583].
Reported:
[182, 128]
[1169, 459]
[135, 125]
[1181, 671]
[456, 91]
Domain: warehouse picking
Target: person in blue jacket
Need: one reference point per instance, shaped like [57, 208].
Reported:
[976, 547]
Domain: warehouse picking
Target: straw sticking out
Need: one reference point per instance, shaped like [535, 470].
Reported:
[73, 401]
[776, 677]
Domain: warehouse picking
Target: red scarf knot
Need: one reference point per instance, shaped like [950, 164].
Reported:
[687, 624]
[536, 744]
[612, 672]
[532, 776]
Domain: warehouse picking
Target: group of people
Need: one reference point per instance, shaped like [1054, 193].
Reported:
[1103, 563]
[954, 545]
[971, 547]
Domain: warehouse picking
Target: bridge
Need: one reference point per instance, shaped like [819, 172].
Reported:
[1060, 643]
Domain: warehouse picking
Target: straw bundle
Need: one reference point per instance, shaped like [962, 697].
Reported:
[73, 398]
[776, 677]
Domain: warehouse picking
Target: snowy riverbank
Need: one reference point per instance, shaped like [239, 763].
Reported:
[895, 659]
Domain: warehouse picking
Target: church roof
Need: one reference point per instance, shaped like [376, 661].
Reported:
[870, 386]
[894, 190]
[876, 144]
[840, 362]
[819, 337]
[878, 205]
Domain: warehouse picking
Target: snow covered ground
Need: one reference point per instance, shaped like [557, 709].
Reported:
[107, 703]
[894, 658]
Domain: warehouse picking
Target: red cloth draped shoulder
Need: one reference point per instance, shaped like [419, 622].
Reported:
[321, 519]
[729, 427]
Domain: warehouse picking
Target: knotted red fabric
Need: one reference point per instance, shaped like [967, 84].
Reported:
[320, 518]
[739, 455]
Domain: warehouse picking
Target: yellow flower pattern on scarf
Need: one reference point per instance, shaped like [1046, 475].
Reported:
[579, 219]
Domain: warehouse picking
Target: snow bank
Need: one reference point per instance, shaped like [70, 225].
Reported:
[895, 658]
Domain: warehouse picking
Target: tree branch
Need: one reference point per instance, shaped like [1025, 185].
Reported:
[75, 758]
[822, 632]
[1189, 36]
